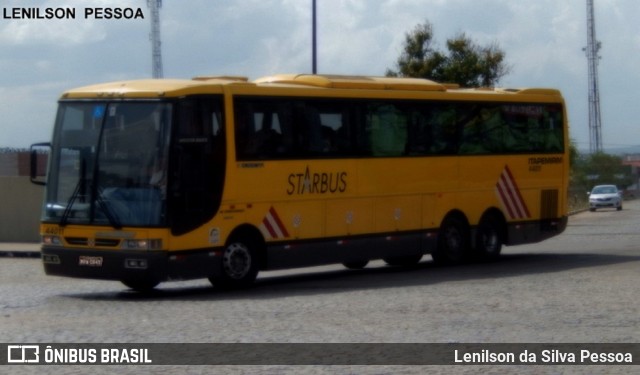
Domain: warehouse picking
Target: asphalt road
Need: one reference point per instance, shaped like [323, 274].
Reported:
[580, 287]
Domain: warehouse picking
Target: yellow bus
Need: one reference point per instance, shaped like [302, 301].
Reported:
[220, 177]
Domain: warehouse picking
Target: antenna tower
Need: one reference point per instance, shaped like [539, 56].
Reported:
[154, 36]
[592, 49]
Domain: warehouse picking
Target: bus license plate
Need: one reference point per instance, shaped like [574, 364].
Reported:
[90, 261]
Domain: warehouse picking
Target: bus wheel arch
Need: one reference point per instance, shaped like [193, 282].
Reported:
[243, 256]
[454, 239]
[490, 235]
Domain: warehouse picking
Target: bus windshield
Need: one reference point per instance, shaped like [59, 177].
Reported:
[110, 163]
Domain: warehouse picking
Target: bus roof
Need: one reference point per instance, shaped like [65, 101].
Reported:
[155, 88]
[355, 82]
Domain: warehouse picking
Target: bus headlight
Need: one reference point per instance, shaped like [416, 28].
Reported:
[143, 244]
[50, 240]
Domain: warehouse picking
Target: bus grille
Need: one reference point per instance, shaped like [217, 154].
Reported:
[549, 211]
[84, 241]
[549, 204]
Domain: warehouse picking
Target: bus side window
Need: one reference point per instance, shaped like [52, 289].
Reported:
[344, 130]
[488, 129]
[420, 133]
[263, 130]
[312, 134]
[554, 138]
[518, 129]
[198, 164]
[319, 128]
[387, 130]
[244, 129]
[476, 132]
[335, 134]
[268, 136]
[445, 130]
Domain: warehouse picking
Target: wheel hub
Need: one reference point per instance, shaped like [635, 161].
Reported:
[236, 261]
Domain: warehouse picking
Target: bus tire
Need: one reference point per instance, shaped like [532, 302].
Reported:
[406, 260]
[453, 241]
[356, 264]
[141, 285]
[489, 237]
[239, 265]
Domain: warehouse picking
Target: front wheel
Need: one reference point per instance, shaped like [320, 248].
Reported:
[239, 266]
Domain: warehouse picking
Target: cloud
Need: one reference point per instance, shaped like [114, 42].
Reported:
[543, 40]
[29, 113]
[65, 31]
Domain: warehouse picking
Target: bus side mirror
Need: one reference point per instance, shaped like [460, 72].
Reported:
[38, 162]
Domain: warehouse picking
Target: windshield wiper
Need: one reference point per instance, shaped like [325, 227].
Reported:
[80, 188]
[97, 196]
[113, 220]
[67, 210]
[64, 219]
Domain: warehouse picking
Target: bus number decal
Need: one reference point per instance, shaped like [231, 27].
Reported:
[317, 183]
[535, 164]
[53, 230]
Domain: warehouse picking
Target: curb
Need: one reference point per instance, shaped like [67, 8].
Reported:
[578, 211]
[19, 254]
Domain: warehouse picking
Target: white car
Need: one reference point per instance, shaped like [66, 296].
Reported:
[605, 196]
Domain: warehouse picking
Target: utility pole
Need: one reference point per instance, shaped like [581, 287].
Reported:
[154, 36]
[314, 49]
[592, 49]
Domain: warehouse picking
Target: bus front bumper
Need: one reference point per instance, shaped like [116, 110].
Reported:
[130, 265]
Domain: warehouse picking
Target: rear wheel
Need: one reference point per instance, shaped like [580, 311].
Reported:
[489, 237]
[239, 266]
[453, 241]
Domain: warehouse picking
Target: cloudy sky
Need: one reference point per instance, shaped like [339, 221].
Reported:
[543, 40]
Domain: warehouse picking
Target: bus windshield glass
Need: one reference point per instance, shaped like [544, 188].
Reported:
[109, 164]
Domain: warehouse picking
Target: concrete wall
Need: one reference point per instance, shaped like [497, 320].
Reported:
[18, 163]
[9, 164]
[20, 205]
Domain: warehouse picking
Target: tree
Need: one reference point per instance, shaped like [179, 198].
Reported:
[465, 63]
[574, 154]
[600, 168]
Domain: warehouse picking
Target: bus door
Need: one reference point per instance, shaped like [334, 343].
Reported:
[197, 163]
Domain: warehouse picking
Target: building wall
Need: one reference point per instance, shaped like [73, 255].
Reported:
[20, 205]
[8, 164]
